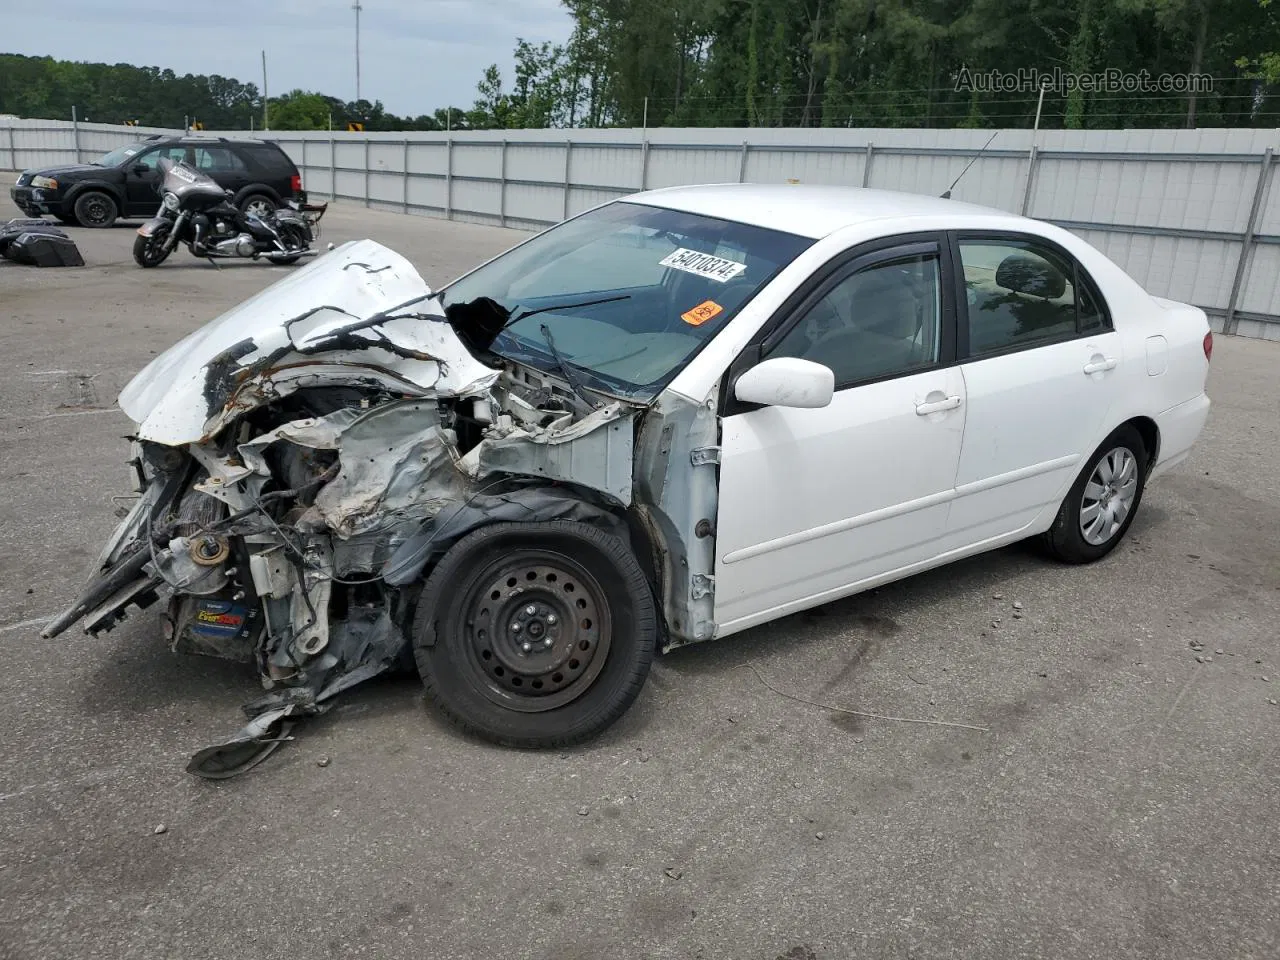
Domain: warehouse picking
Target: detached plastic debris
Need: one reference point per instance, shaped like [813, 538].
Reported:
[38, 243]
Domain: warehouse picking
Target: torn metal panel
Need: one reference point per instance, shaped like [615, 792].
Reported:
[595, 451]
[374, 324]
[524, 504]
[677, 492]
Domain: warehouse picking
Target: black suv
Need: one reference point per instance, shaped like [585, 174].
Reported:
[122, 184]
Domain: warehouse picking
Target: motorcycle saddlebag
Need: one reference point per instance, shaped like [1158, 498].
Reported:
[44, 249]
[13, 229]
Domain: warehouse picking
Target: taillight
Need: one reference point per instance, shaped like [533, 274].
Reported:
[1208, 345]
[295, 183]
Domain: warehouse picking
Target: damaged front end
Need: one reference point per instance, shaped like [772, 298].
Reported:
[300, 469]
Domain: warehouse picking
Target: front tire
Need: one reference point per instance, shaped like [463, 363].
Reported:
[1101, 505]
[150, 251]
[93, 208]
[535, 635]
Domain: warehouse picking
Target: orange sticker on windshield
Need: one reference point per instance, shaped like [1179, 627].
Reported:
[706, 310]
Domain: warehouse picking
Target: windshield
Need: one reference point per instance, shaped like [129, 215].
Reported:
[120, 154]
[670, 280]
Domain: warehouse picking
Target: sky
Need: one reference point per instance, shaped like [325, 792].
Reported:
[415, 55]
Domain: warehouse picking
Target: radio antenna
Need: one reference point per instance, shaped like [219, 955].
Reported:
[947, 195]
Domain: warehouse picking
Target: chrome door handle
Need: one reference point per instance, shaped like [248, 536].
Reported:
[1101, 366]
[937, 406]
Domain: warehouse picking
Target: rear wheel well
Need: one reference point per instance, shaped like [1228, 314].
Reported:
[1150, 434]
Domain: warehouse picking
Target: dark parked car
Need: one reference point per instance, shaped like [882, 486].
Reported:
[122, 184]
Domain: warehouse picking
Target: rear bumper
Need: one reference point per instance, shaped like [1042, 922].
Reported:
[1180, 427]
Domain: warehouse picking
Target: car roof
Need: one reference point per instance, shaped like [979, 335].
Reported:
[808, 210]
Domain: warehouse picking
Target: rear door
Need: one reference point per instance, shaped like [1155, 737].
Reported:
[816, 501]
[1041, 363]
[223, 166]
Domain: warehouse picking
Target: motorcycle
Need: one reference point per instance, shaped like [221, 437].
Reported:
[196, 211]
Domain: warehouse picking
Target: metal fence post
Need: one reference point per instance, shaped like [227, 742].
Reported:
[866, 163]
[1032, 159]
[333, 166]
[1230, 322]
[568, 156]
[448, 179]
[502, 186]
[75, 132]
[644, 164]
[13, 152]
[366, 172]
[742, 164]
[404, 180]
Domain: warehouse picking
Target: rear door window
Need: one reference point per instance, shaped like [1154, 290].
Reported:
[1021, 293]
[218, 160]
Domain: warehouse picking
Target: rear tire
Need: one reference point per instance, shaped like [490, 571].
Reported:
[1101, 504]
[259, 205]
[150, 251]
[93, 208]
[292, 237]
[535, 635]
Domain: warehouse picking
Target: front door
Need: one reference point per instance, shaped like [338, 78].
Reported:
[1041, 364]
[142, 177]
[815, 502]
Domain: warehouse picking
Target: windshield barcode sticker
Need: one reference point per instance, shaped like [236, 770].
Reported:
[703, 265]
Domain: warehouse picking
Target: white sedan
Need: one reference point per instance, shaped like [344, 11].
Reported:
[669, 419]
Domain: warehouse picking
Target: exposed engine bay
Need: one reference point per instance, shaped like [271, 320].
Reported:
[298, 470]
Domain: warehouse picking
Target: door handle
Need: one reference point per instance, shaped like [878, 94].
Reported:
[1101, 365]
[937, 406]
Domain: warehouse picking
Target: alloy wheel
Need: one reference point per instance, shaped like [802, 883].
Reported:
[1109, 496]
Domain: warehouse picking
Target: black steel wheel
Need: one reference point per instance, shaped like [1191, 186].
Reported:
[93, 208]
[535, 634]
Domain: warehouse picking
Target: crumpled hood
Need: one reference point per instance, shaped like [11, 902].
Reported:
[356, 315]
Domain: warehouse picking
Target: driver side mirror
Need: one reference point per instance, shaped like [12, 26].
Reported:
[787, 382]
[141, 168]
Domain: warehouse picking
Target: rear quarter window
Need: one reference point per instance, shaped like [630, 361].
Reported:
[265, 157]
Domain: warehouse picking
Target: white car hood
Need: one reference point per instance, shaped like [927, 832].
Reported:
[311, 328]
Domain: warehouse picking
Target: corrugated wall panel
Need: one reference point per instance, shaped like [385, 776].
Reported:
[991, 181]
[477, 160]
[670, 168]
[1261, 293]
[1269, 215]
[476, 197]
[538, 204]
[540, 163]
[778, 166]
[1193, 271]
[387, 186]
[603, 166]
[428, 158]
[1193, 196]
[427, 192]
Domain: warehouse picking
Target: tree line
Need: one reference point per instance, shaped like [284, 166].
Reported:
[901, 63]
[782, 63]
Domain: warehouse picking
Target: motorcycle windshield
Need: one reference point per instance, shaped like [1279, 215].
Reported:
[358, 315]
[182, 179]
